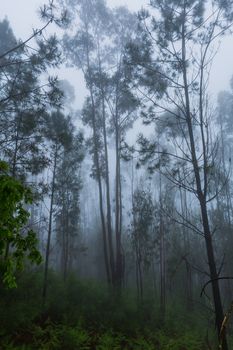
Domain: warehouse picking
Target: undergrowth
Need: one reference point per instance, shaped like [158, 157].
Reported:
[89, 316]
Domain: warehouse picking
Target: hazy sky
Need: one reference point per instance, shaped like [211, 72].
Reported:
[23, 16]
[22, 13]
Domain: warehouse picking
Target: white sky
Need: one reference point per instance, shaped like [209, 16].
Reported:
[22, 15]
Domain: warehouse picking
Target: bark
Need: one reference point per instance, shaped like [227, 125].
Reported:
[108, 200]
[139, 273]
[162, 253]
[98, 172]
[45, 282]
[66, 248]
[201, 193]
[117, 212]
[96, 157]
[162, 273]
[189, 281]
[14, 162]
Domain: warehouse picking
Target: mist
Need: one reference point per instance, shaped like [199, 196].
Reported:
[116, 174]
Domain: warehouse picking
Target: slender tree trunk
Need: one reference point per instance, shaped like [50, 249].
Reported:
[162, 254]
[109, 216]
[96, 157]
[189, 287]
[45, 282]
[137, 277]
[117, 212]
[162, 267]
[201, 194]
[140, 273]
[97, 164]
[108, 196]
[121, 225]
[66, 257]
[227, 185]
[14, 162]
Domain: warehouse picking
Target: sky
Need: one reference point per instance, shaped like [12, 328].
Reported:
[22, 13]
[23, 16]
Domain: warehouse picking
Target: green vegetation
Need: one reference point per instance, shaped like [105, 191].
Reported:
[15, 244]
[130, 204]
[83, 315]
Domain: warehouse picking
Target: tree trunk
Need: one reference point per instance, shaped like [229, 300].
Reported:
[189, 284]
[201, 194]
[162, 268]
[96, 157]
[45, 282]
[117, 212]
[213, 274]
[98, 173]
[109, 218]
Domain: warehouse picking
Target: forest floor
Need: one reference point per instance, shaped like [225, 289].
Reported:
[85, 316]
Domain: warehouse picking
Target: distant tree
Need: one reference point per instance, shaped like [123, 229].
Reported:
[97, 48]
[143, 234]
[68, 185]
[59, 133]
[81, 47]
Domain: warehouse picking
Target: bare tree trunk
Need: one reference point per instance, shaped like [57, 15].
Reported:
[45, 282]
[108, 197]
[117, 211]
[162, 267]
[139, 275]
[162, 254]
[66, 248]
[189, 287]
[109, 216]
[96, 156]
[227, 185]
[98, 172]
[201, 194]
[14, 162]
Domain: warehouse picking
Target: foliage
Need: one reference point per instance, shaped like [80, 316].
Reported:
[59, 337]
[82, 315]
[24, 100]
[16, 243]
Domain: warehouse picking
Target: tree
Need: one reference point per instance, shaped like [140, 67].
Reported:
[122, 105]
[58, 131]
[143, 233]
[67, 199]
[171, 70]
[24, 99]
[97, 48]
[17, 243]
[81, 47]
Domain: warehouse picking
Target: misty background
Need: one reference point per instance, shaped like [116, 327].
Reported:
[116, 191]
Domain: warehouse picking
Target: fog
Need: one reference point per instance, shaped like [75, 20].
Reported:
[116, 192]
[23, 16]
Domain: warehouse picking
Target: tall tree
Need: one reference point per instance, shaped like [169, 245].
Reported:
[172, 64]
[59, 134]
[67, 199]
[143, 234]
[98, 49]
[24, 99]
[81, 48]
